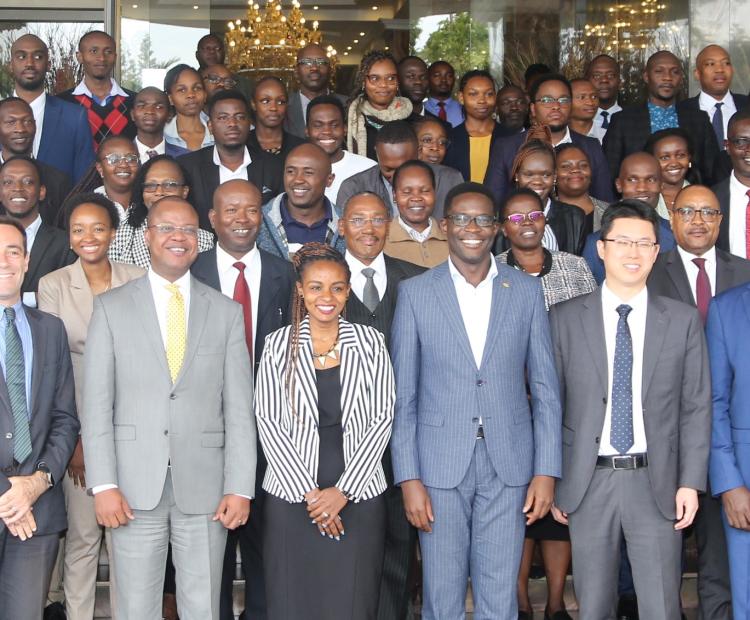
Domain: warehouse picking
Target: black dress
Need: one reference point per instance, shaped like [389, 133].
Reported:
[314, 577]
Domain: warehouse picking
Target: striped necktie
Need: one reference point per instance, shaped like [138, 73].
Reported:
[15, 380]
[175, 330]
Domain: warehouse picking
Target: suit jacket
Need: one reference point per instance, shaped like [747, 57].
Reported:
[728, 333]
[691, 103]
[371, 180]
[504, 151]
[669, 278]
[66, 294]
[676, 396]
[458, 155]
[66, 138]
[276, 282]
[295, 122]
[630, 129]
[137, 422]
[290, 438]
[723, 195]
[441, 394]
[174, 150]
[51, 251]
[54, 425]
[204, 176]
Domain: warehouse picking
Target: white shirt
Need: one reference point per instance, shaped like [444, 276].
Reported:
[143, 150]
[227, 174]
[637, 325]
[597, 132]
[691, 269]
[228, 277]
[358, 280]
[599, 119]
[37, 109]
[82, 89]
[566, 139]
[549, 240]
[349, 165]
[708, 104]
[738, 201]
[29, 298]
[419, 237]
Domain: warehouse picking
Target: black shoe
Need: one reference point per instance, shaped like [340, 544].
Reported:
[627, 608]
[561, 614]
[525, 615]
[54, 611]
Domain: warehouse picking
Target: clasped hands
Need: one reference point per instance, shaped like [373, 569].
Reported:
[17, 502]
[323, 508]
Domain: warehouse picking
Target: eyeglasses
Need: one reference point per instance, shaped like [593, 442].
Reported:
[551, 100]
[740, 143]
[361, 222]
[313, 62]
[227, 82]
[170, 229]
[462, 221]
[115, 158]
[373, 78]
[688, 213]
[520, 218]
[430, 141]
[626, 244]
[168, 187]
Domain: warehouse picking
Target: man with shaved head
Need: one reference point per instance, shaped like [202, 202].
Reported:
[302, 213]
[262, 284]
[629, 130]
[63, 138]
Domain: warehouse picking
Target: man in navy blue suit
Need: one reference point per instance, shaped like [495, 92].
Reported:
[63, 137]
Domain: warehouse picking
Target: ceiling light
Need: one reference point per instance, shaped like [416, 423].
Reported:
[348, 47]
[195, 7]
[135, 6]
[356, 40]
[361, 34]
[374, 8]
[315, 8]
[346, 53]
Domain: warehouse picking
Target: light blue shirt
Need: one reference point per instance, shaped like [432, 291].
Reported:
[24, 331]
[453, 112]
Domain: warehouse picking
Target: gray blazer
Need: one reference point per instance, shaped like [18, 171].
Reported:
[295, 119]
[676, 396]
[137, 422]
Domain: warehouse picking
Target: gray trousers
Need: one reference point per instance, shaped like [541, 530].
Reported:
[620, 504]
[140, 553]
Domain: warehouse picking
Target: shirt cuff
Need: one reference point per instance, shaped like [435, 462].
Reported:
[241, 495]
[102, 487]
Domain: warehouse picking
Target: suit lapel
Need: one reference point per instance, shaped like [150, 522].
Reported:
[51, 120]
[306, 385]
[445, 292]
[268, 288]
[724, 273]
[500, 292]
[351, 372]
[592, 328]
[144, 307]
[676, 272]
[38, 250]
[199, 313]
[656, 329]
[39, 345]
[206, 269]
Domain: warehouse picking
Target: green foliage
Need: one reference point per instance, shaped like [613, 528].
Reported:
[461, 41]
[133, 64]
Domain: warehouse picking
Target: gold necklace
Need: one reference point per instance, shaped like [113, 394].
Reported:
[332, 353]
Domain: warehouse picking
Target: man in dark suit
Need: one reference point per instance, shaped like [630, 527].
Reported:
[636, 427]
[629, 129]
[604, 73]
[17, 133]
[412, 82]
[550, 105]
[395, 144]
[150, 112]
[20, 193]
[228, 158]
[693, 273]
[375, 278]
[63, 137]
[40, 430]
[263, 285]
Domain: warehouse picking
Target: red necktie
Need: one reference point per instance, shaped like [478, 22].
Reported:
[442, 115]
[242, 296]
[747, 226]
[702, 288]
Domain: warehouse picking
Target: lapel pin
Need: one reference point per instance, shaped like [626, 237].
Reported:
[506, 284]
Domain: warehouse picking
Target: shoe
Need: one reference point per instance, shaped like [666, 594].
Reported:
[560, 614]
[525, 615]
[627, 608]
[54, 611]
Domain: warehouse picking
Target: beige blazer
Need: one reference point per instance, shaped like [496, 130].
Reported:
[65, 293]
[431, 253]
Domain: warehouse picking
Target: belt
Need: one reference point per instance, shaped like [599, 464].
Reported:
[480, 432]
[622, 461]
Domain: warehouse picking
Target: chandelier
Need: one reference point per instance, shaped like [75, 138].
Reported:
[268, 42]
[628, 25]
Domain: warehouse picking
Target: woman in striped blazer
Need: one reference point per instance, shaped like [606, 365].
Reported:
[324, 406]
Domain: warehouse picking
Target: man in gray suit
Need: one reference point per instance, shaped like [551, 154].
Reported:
[634, 377]
[169, 433]
[395, 144]
[475, 457]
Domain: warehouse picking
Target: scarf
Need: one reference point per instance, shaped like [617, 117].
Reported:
[361, 113]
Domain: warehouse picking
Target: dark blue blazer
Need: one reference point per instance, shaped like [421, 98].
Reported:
[174, 150]
[66, 142]
[458, 155]
[504, 151]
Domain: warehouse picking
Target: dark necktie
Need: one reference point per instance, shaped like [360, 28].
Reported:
[15, 380]
[151, 153]
[621, 432]
[702, 288]
[371, 299]
[242, 296]
[442, 114]
[605, 119]
[718, 123]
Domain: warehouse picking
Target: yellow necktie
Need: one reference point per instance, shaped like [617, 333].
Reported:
[175, 330]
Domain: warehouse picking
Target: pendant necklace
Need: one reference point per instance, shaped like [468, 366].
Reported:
[332, 353]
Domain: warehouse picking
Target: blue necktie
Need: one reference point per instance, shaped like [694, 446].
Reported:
[718, 123]
[621, 432]
[605, 119]
[15, 380]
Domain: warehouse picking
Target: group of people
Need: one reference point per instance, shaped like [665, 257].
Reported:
[407, 332]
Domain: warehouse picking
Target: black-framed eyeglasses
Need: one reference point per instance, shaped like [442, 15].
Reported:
[550, 100]
[313, 62]
[361, 222]
[170, 229]
[520, 218]
[740, 143]
[462, 221]
[168, 187]
[626, 244]
[688, 213]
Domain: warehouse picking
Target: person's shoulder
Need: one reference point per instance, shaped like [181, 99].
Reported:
[274, 262]
[402, 267]
[214, 297]
[56, 235]
[678, 311]
[59, 278]
[125, 270]
[733, 296]
[197, 158]
[569, 261]
[570, 308]
[48, 321]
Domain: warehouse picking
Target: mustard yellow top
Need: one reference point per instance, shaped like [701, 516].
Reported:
[479, 156]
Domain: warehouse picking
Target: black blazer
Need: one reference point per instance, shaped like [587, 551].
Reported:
[54, 424]
[458, 155]
[204, 179]
[504, 151]
[630, 129]
[740, 102]
[669, 278]
[51, 251]
[722, 193]
[276, 282]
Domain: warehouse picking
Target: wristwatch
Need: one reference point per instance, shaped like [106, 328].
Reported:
[42, 467]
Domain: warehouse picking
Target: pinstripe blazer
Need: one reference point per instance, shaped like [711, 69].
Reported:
[290, 439]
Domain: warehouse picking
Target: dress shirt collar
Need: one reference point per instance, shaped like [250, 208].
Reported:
[32, 230]
[356, 266]
[687, 257]
[158, 283]
[613, 109]
[82, 89]
[737, 186]
[225, 261]
[143, 150]
[707, 102]
[566, 139]
[610, 301]
[458, 278]
[419, 237]
[287, 219]
[246, 161]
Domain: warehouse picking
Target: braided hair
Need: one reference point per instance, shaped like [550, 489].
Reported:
[368, 60]
[309, 253]
[538, 141]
